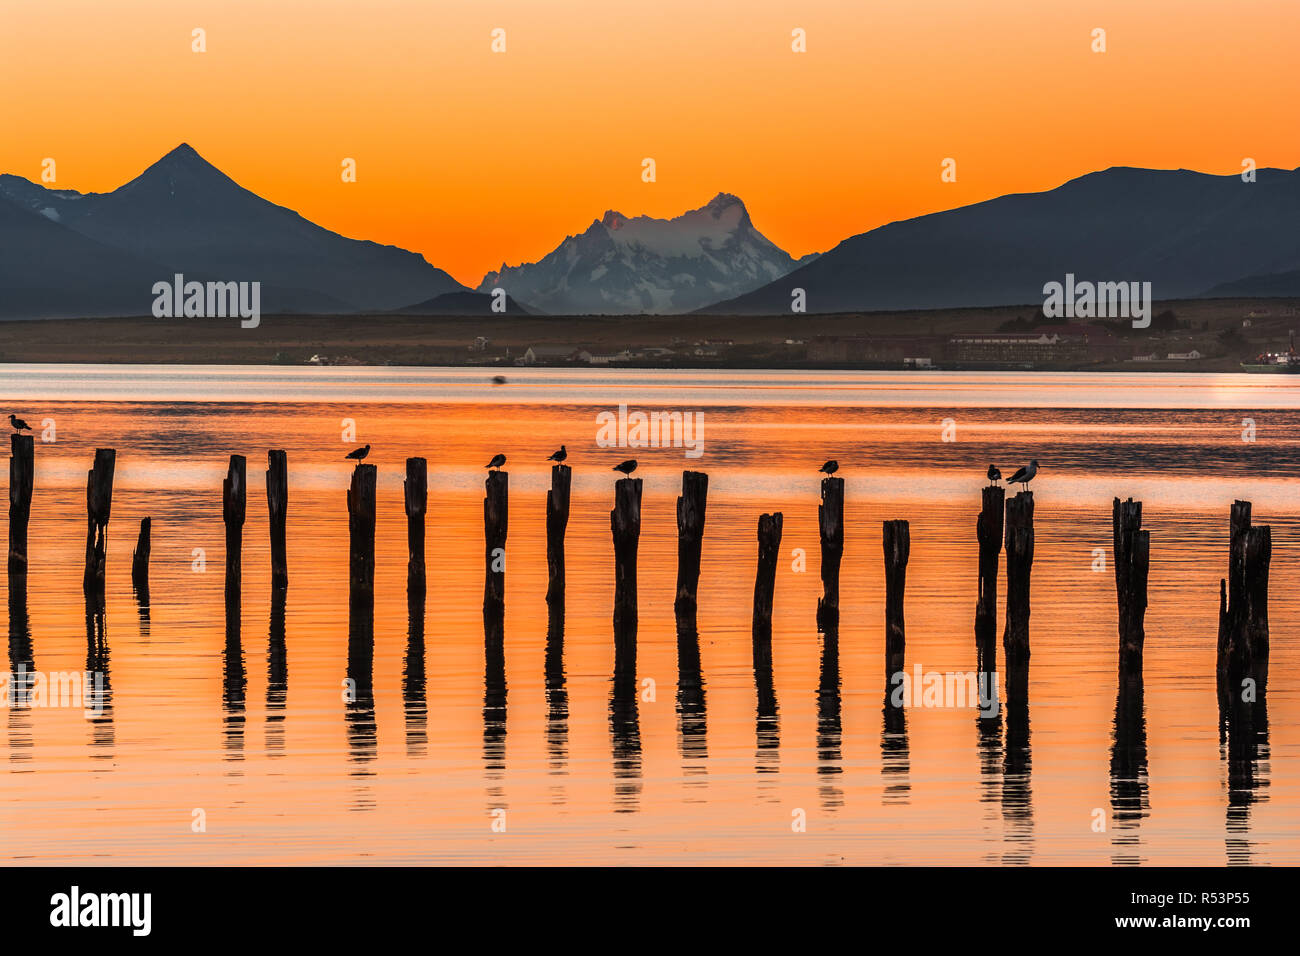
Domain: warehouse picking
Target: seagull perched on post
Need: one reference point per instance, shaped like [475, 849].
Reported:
[626, 467]
[994, 475]
[1024, 476]
[559, 455]
[496, 462]
[359, 453]
[18, 423]
[830, 467]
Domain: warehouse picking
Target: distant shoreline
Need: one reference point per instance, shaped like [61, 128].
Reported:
[1220, 333]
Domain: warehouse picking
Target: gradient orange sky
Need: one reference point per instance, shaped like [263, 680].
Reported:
[472, 158]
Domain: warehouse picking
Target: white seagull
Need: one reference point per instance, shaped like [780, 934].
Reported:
[1024, 476]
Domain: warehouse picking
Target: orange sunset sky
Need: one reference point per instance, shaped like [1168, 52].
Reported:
[473, 157]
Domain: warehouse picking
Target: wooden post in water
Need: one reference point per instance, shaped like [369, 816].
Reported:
[140, 557]
[22, 472]
[99, 506]
[625, 523]
[988, 531]
[1243, 600]
[557, 521]
[897, 541]
[1132, 556]
[234, 506]
[1019, 537]
[415, 491]
[361, 534]
[769, 552]
[691, 505]
[830, 520]
[277, 504]
[496, 515]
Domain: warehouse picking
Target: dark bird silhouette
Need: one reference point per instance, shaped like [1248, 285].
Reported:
[559, 455]
[830, 467]
[359, 453]
[18, 423]
[994, 474]
[498, 379]
[626, 467]
[1024, 476]
[496, 462]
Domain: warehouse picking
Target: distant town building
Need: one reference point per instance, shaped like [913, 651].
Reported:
[480, 344]
[1184, 356]
[549, 354]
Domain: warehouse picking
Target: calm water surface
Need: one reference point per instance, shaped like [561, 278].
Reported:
[245, 726]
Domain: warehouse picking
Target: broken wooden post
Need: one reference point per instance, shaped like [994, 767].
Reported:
[496, 514]
[234, 504]
[691, 505]
[1019, 539]
[21, 477]
[625, 524]
[1243, 600]
[99, 505]
[988, 531]
[897, 542]
[769, 551]
[277, 504]
[140, 557]
[361, 535]
[557, 521]
[415, 492]
[1132, 555]
[830, 520]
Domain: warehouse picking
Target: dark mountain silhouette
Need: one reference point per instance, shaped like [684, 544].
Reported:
[642, 264]
[185, 215]
[1258, 287]
[1184, 232]
[463, 303]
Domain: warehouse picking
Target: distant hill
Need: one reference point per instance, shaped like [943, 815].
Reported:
[1185, 232]
[182, 214]
[639, 265]
[1255, 287]
[462, 303]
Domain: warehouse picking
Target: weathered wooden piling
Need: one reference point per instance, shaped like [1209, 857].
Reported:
[99, 506]
[1019, 540]
[691, 506]
[1132, 556]
[140, 557]
[496, 515]
[557, 522]
[897, 546]
[415, 492]
[988, 532]
[277, 504]
[361, 532]
[769, 551]
[830, 521]
[625, 524]
[1243, 599]
[22, 472]
[234, 507]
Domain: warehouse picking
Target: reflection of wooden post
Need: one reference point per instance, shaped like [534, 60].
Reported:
[988, 531]
[1019, 536]
[557, 521]
[897, 541]
[415, 491]
[277, 503]
[691, 504]
[99, 506]
[830, 520]
[140, 557]
[769, 551]
[21, 478]
[361, 532]
[625, 524]
[1243, 599]
[496, 522]
[1132, 555]
[234, 503]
